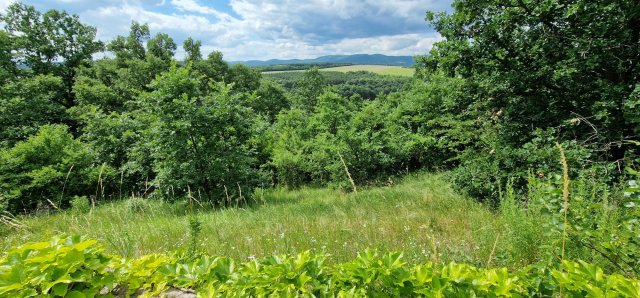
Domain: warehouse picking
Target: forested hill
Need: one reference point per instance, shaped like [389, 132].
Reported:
[376, 59]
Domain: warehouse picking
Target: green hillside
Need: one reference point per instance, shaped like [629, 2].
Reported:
[377, 69]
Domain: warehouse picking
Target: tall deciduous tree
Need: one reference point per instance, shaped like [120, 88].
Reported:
[309, 88]
[162, 46]
[51, 43]
[546, 63]
[132, 46]
[192, 50]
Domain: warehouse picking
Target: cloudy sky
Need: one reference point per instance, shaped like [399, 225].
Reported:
[268, 29]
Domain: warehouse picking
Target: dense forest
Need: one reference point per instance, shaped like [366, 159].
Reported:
[300, 66]
[522, 104]
[365, 84]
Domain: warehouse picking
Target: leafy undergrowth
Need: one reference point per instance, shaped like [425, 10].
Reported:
[76, 267]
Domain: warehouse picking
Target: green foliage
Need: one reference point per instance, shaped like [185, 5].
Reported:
[424, 127]
[366, 84]
[244, 79]
[522, 76]
[131, 47]
[269, 101]
[49, 165]
[80, 204]
[195, 229]
[483, 172]
[51, 43]
[199, 141]
[192, 50]
[61, 267]
[72, 267]
[137, 205]
[162, 46]
[601, 222]
[25, 105]
[213, 69]
[8, 67]
[308, 88]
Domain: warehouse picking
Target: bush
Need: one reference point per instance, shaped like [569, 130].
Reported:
[199, 141]
[80, 204]
[50, 165]
[483, 172]
[137, 205]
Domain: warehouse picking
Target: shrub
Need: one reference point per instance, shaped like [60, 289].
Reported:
[137, 205]
[482, 172]
[199, 141]
[50, 165]
[80, 204]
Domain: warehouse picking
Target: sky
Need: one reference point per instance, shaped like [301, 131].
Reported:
[268, 29]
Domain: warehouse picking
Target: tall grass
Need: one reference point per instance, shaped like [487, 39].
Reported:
[421, 216]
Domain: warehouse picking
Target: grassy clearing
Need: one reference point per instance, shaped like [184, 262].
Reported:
[421, 216]
[377, 69]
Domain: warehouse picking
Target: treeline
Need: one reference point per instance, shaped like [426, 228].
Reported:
[299, 66]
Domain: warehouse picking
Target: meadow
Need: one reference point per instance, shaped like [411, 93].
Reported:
[421, 216]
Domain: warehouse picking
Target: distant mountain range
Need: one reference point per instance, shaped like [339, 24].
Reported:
[375, 59]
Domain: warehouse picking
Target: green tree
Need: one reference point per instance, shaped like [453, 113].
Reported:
[27, 104]
[8, 68]
[538, 64]
[131, 47]
[244, 79]
[270, 99]
[192, 50]
[51, 43]
[308, 88]
[162, 46]
[213, 69]
[199, 140]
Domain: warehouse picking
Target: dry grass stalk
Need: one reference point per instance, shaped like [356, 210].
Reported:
[565, 194]
[493, 251]
[9, 220]
[65, 182]
[346, 169]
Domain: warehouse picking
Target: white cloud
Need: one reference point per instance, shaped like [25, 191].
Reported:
[115, 20]
[5, 3]
[193, 7]
[264, 29]
[406, 44]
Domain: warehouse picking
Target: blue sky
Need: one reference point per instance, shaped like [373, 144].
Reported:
[268, 29]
